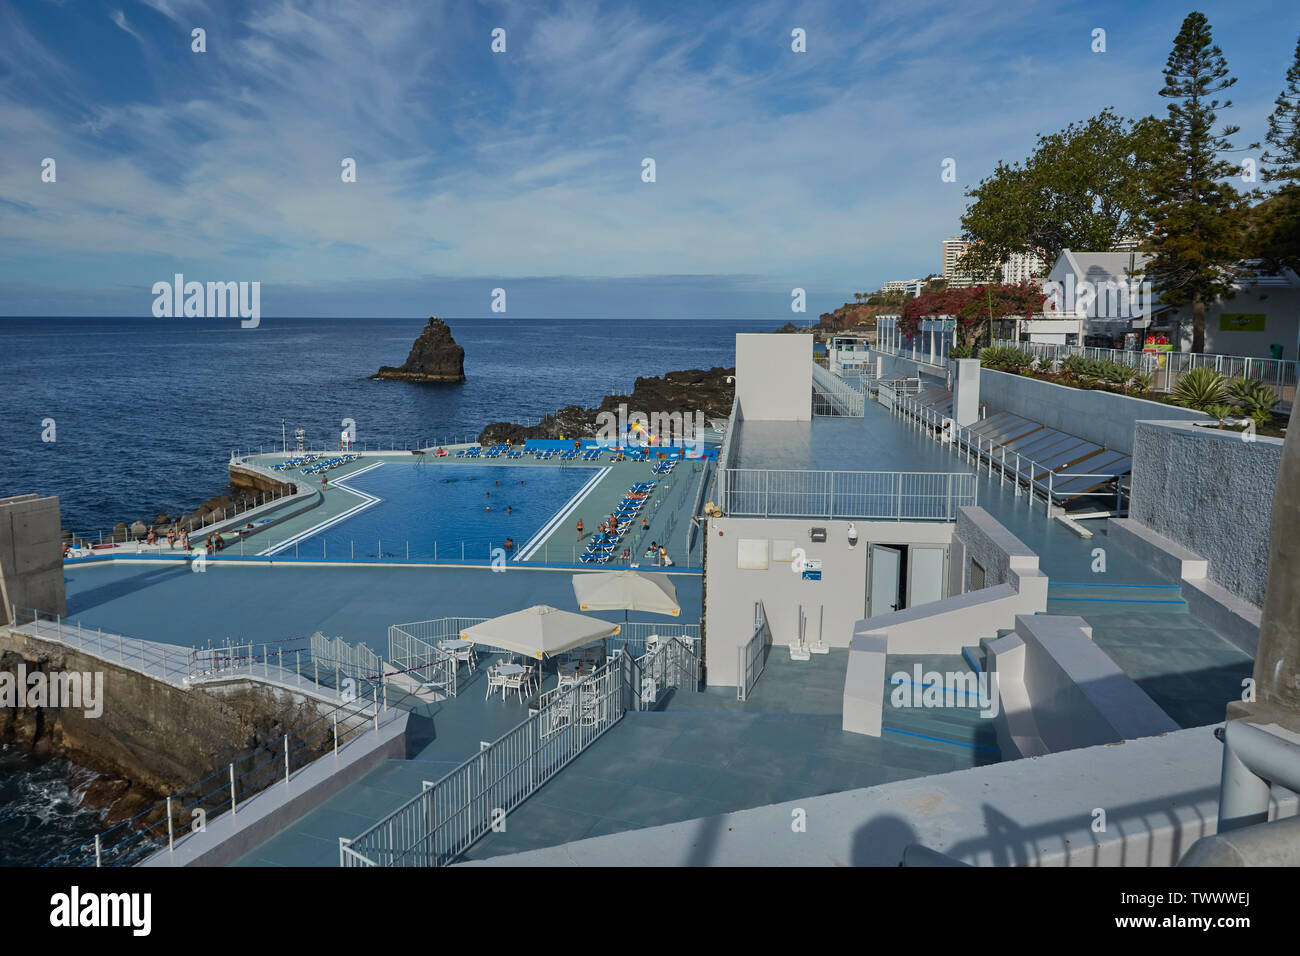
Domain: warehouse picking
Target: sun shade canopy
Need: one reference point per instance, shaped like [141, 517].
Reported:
[539, 631]
[626, 591]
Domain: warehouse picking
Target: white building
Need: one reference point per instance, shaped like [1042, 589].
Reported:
[1022, 267]
[1102, 299]
[951, 253]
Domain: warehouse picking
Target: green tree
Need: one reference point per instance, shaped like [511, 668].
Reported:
[1084, 187]
[1276, 236]
[1198, 217]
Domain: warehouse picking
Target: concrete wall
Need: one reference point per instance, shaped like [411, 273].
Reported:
[1101, 417]
[1013, 586]
[155, 734]
[842, 591]
[1160, 795]
[774, 376]
[894, 366]
[1212, 493]
[1059, 691]
[229, 837]
[31, 556]
[1002, 555]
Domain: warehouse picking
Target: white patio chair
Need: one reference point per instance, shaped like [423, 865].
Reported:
[514, 682]
[467, 655]
[495, 679]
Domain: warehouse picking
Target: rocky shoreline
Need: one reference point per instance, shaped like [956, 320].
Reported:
[704, 390]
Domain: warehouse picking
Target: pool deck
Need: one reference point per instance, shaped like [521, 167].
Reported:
[668, 512]
[698, 754]
[1138, 617]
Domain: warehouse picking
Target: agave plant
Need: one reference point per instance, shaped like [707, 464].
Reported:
[1115, 373]
[1222, 411]
[1142, 382]
[1255, 397]
[1200, 388]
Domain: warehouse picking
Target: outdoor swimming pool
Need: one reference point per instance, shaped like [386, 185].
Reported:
[436, 510]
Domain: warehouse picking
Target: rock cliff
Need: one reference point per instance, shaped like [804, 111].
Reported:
[687, 391]
[435, 357]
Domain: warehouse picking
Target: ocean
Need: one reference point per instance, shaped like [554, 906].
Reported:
[146, 412]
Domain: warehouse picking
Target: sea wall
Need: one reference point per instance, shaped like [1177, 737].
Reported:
[1211, 492]
[152, 738]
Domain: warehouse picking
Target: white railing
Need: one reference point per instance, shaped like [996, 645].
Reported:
[726, 451]
[834, 397]
[888, 495]
[413, 649]
[437, 826]
[632, 637]
[752, 655]
[1166, 368]
[1027, 475]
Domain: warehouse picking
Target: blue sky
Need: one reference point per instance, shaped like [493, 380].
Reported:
[522, 170]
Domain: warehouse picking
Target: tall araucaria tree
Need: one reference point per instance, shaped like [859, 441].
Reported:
[1277, 233]
[1197, 215]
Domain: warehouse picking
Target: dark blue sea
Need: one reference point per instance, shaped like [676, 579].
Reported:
[147, 411]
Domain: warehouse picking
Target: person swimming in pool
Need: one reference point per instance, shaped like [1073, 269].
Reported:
[486, 510]
[510, 544]
[510, 510]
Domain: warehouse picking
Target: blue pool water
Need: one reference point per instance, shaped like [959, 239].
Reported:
[423, 504]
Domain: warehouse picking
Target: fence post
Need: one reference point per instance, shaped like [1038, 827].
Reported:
[171, 845]
[232, 791]
[336, 735]
[97, 863]
[286, 760]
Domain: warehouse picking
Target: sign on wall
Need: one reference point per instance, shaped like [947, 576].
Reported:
[812, 569]
[1241, 322]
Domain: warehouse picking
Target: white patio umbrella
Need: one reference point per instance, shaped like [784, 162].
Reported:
[626, 590]
[539, 631]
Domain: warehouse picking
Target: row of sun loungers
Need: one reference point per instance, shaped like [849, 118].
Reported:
[330, 463]
[296, 462]
[1032, 452]
[602, 547]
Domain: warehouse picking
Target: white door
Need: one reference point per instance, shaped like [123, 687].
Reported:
[886, 563]
[925, 570]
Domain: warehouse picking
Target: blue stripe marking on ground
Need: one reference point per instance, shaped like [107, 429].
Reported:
[1081, 584]
[1114, 600]
[955, 743]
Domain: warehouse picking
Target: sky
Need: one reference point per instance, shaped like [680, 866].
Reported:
[523, 170]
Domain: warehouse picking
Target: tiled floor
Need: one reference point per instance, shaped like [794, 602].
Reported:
[702, 753]
[176, 605]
